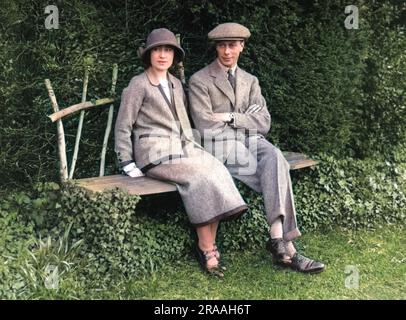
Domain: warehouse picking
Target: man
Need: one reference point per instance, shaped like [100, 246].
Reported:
[231, 115]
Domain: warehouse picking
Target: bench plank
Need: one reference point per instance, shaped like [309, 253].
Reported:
[139, 186]
[145, 185]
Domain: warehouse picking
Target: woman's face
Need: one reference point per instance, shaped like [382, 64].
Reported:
[162, 58]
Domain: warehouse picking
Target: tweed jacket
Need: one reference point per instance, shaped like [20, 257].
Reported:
[210, 92]
[146, 131]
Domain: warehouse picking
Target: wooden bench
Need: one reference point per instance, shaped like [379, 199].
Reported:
[136, 186]
[146, 185]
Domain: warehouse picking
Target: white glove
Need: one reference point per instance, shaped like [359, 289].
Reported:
[253, 108]
[132, 171]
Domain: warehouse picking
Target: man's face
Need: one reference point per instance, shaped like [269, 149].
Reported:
[229, 51]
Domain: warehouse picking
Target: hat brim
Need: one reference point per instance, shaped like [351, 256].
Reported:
[228, 39]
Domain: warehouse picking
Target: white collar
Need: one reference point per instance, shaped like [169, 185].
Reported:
[225, 69]
[163, 82]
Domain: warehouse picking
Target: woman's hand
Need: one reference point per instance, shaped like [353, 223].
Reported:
[132, 171]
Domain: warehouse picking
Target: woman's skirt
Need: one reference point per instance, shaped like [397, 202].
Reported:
[205, 185]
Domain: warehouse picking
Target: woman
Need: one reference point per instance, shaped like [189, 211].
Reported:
[153, 137]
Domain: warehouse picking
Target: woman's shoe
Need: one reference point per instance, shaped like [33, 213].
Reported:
[215, 249]
[278, 250]
[204, 257]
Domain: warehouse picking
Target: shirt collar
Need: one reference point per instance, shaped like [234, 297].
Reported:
[225, 69]
[164, 83]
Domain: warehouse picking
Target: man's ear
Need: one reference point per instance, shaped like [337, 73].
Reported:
[242, 45]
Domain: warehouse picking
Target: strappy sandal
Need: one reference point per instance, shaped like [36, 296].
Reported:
[204, 257]
[278, 250]
[215, 249]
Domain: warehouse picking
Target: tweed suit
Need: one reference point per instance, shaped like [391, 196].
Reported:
[156, 135]
[243, 141]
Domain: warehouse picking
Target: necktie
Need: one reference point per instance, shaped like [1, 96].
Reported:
[231, 79]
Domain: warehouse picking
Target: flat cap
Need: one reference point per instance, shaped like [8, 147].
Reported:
[229, 31]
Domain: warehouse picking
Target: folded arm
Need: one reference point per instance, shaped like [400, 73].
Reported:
[256, 115]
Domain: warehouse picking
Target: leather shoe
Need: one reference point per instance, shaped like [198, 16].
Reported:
[278, 250]
[303, 264]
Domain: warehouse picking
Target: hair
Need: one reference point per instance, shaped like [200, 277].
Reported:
[146, 61]
[242, 41]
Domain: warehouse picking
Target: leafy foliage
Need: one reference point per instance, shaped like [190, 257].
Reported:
[15, 236]
[50, 261]
[118, 238]
[124, 237]
[352, 193]
[329, 89]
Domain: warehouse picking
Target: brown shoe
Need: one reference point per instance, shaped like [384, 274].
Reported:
[278, 250]
[303, 264]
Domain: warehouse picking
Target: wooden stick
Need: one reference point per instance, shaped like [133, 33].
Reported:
[80, 106]
[109, 121]
[180, 64]
[80, 125]
[63, 167]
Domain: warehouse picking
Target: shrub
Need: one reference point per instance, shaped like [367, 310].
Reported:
[353, 193]
[329, 89]
[49, 261]
[124, 236]
[16, 234]
[118, 238]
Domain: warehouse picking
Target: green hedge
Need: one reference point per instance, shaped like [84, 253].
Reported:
[329, 89]
[124, 236]
[352, 193]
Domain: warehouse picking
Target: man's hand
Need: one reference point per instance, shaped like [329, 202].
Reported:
[132, 171]
[253, 108]
[224, 117]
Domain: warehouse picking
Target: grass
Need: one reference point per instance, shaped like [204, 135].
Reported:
[379, 256]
